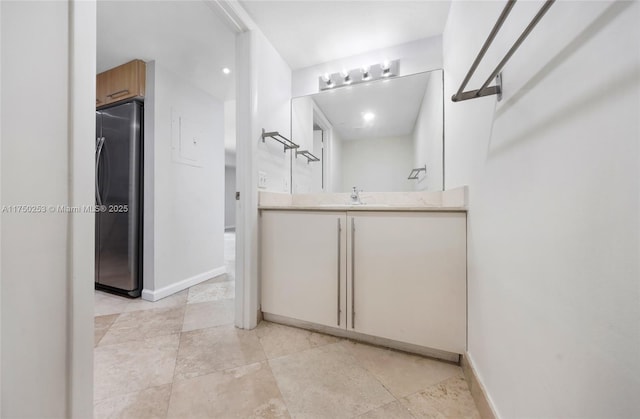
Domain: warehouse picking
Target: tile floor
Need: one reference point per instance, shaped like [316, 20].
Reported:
[181, 357]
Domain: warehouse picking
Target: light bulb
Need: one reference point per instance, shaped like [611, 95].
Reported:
[365, 73]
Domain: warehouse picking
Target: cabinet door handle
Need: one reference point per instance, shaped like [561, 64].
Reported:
[338, 275]
[100, 144]
[353, 273]
[118, 93]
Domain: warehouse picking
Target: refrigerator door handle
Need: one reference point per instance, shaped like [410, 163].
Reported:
[100, 144]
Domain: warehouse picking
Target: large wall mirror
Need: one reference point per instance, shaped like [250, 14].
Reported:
[371, 135]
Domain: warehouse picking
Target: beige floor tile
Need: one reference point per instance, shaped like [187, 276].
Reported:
[278, 340]
[133, 366]
[101, 325]
[401, 373]
[327, 382]
[212, 292]
[175, 300]
[219, 348]
[249, 391]
[146, 404]
[393, 410]
[209, 314]
[144, 324]
[220, 278]
[106, 303]
[449, 399]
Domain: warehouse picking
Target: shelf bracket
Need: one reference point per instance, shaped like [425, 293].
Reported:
[415, 172]
[306, 153]
[287, 143]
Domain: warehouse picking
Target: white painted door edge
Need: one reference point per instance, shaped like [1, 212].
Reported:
[241, 23]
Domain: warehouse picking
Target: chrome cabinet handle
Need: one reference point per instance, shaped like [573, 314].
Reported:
[118, 93]
[353, 273]
[338, 276]
[98, 153]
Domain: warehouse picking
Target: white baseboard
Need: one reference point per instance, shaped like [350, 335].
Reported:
[480, 396]
[155, 295]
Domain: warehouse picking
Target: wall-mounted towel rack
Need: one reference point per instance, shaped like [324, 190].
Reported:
[306, 153]
[415, 172]
[287, 143]
[485, 89]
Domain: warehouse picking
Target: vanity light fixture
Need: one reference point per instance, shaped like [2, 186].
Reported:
[346, 77]
[365, 74]
[386, 70]
[326, 80]
[226, 70]
[359, 75]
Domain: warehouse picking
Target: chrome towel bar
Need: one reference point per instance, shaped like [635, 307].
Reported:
[287, 143]
[415, 172]
[485, 89]
[306, 153]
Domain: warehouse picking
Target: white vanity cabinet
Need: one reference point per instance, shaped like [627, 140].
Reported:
[407, 277]
[395, 275]
[302, 265]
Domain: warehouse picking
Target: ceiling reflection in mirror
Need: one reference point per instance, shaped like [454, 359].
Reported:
[377, 137]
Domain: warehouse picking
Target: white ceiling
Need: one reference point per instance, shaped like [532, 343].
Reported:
[394, 102]
[308, 33]
[185, 37]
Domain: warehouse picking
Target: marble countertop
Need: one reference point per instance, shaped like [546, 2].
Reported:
[450, 200]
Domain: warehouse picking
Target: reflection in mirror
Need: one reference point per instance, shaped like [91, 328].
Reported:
[372, 136]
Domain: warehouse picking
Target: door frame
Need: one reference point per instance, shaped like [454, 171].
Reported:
[246, 300]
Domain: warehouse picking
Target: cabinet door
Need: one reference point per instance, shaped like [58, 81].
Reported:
[125, 82]
[101, 89]
[303, 274]
[407, 278]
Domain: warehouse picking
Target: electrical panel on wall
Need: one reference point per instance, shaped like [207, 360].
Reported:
[187, 138]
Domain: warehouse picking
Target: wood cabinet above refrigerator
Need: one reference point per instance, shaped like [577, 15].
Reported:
[124, 82]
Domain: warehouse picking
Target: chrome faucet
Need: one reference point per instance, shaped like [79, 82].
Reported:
[355, 196]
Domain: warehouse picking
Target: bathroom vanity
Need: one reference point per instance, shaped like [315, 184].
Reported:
[391, 271]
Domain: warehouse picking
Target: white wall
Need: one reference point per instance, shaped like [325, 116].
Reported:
[1, 201]
[415, 57]
[553, 233]
[230, 126]
[334, 153]
[47, 159]
[81, 243]
[229, 197]
[273, 113]
[188, 196]
[427, 136]
[263, 102]
[230, 164]
[377, 164]
[302, 134]
[306, 175]
[317, 170]
[302, 122]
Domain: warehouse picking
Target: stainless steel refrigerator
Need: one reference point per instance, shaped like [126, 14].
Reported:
[119, 199]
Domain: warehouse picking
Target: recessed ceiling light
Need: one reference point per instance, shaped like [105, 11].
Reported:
[368, 116]
[226, 70]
